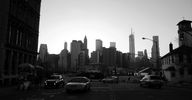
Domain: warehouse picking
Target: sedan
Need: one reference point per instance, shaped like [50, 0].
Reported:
[151, 81]
[112, 79]
[78, 84]
[54, 81]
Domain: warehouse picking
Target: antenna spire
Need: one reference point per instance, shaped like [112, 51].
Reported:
[132, 31]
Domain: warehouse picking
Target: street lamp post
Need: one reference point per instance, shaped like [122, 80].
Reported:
[157, 53]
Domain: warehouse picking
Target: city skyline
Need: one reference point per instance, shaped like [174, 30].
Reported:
[111, 20]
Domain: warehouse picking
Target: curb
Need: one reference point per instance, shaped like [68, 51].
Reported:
[180, 86]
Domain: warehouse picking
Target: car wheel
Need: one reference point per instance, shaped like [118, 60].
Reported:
[140, 85]
[68, 91]
[89, 88]
[85, 89]
[62, 85]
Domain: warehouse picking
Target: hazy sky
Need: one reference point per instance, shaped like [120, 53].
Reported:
[111, 21]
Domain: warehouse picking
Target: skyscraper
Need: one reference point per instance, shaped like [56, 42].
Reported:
[65, 45]
[109, 57]
[99, 45]
[119, 59]
[155, 51]
[76, 47]
[132, 46]
[63, 62]
[94, 58]
[145, 53]
[43, 52]
[85, 43]
[19, 28]
[85, 52]
[98, 53]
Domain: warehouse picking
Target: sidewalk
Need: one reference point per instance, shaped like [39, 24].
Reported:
[179, 85]
[7, 90]
[13, 90]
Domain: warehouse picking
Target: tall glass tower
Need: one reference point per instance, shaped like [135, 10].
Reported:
[132, 46]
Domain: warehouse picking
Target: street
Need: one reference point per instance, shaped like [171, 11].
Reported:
[101, 91]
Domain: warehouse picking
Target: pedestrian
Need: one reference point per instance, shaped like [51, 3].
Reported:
[20, 82]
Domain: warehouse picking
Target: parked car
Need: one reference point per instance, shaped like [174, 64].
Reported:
[152, 81]
[111, 79]
[78, 84]
[54, 81]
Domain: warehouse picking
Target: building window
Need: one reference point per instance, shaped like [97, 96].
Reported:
[181, 71]
[7, 62]
[9, 34]
[20, 58]
[14, 61]
[180, 58]
[17, 37]
[190, 71]
[25, 58]
[172, 58]
[20, 38]
[188, 58]
[169, 60]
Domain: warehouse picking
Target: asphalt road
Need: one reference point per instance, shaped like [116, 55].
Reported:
[100, 91]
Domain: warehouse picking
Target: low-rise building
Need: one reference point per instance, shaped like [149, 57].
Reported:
[177, 64]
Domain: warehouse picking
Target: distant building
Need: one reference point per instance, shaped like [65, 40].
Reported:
[79, 54]
[176, 64]
[52, 63]
[126, 60]
[145, 54]
[95, 57]
[63, 62]
[155, 54]
[140, 54]
[99, 45]
[109, 57]
[119, 59]
[19, 28]
[132, 47]
[75, 51]
[43, 52]
[65, 45]
[82, 61]
[112, 45]
[85, 51]
[85, 43]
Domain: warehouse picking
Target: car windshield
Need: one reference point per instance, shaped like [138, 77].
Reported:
[54, 77]
[81, 80]
[155, 78]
